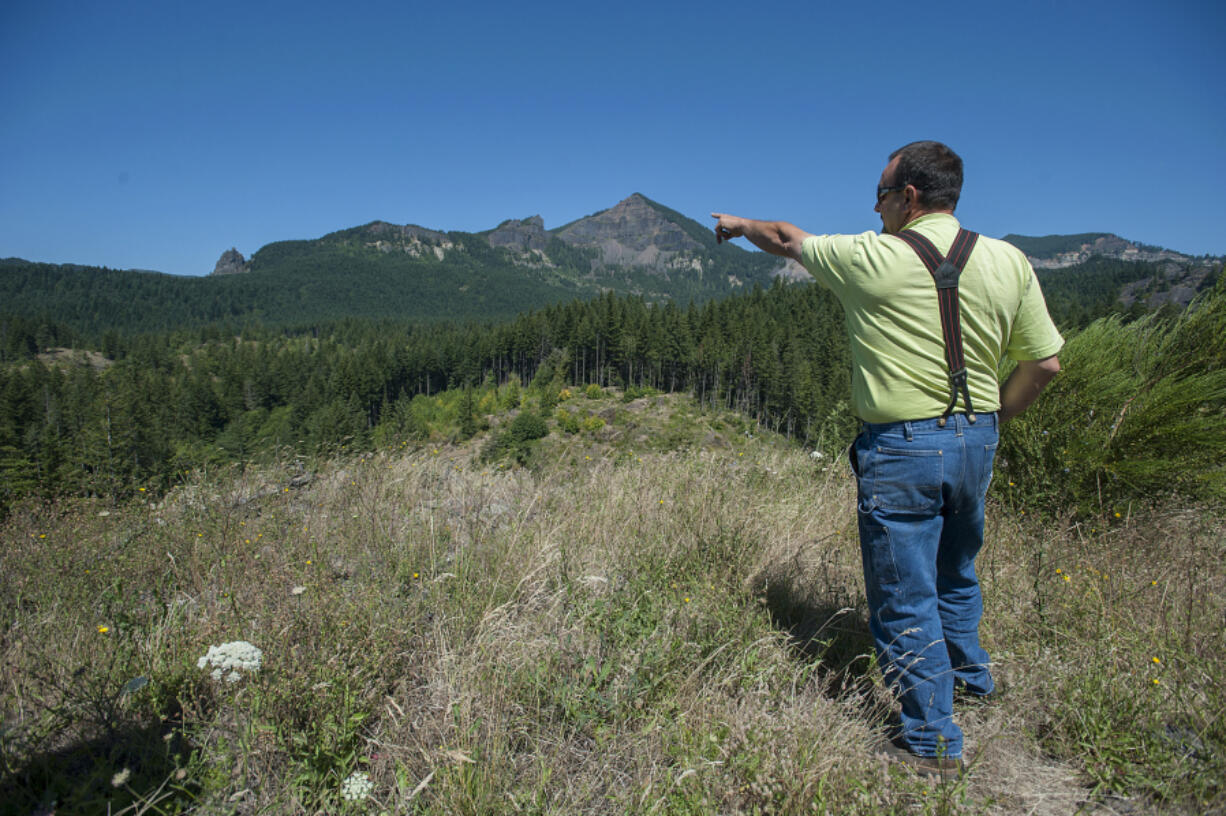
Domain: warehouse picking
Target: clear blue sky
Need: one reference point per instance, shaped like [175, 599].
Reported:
[156, 135]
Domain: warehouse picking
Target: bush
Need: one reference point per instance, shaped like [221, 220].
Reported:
[1137, 414]
[567, 421]
[528, 426]
[515, 442]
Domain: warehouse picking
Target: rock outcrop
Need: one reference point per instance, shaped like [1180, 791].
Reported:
[408, 232]
[528, 234]
[231, 262]
[1104, 244]
[407, 238]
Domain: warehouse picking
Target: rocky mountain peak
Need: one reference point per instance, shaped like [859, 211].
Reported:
[382, 230]
[634, 232]
[520, 235]
[231, 262]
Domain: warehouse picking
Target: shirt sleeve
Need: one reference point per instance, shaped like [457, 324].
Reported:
[1034, 335]
[827, 257]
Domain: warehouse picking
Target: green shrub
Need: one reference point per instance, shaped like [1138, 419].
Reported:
[567, 421]
[515, 442]
[528, 426]
[1138, 413]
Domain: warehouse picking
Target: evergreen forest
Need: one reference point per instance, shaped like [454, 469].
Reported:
[153, 403]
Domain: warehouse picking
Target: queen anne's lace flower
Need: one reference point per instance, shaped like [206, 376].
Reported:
[357, 786]
[228, 658]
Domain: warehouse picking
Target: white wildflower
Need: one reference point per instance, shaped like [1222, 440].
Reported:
[357, 787]
[298, 590]
[228, 658]
[120, 779]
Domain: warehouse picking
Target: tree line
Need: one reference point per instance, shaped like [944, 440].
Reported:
[173, 401]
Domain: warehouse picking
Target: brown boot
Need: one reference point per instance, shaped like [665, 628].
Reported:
[944, 768]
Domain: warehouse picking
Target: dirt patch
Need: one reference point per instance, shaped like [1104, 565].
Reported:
[75, 357]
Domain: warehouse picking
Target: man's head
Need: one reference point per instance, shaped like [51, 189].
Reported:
[922, 177]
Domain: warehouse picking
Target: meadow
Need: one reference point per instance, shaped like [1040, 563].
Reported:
[659, 611]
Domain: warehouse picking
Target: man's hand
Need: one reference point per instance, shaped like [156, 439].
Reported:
[776, 237]
[728, 227]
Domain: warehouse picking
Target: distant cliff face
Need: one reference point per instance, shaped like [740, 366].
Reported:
[381, 230]
[519, 235]
[410, 239]
[634, 233]
[231, 262]
[1060, 251]
[1176, 278]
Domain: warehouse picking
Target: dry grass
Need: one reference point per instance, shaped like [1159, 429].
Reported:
[612, 632]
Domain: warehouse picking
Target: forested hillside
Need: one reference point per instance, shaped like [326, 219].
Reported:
[181, 400]
[335, 342]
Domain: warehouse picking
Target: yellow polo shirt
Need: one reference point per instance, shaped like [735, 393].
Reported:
[893, 318]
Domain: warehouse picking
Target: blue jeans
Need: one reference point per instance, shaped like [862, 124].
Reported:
[921, 490]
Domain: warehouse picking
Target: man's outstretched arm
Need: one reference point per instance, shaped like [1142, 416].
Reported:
[775, 237]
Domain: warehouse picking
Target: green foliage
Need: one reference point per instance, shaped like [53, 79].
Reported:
[174, 401]
[515, 442]
[1080, 294]
[1138, 413]
[527, 427]
[637, 392]
[567, 421]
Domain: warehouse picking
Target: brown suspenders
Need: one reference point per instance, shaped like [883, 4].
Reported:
[945, 273]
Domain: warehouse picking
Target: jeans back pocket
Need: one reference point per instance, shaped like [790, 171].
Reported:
[906, 480]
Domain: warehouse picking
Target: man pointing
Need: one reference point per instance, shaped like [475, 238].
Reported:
[930, 311]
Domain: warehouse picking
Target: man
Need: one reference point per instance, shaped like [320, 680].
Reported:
[923, 459]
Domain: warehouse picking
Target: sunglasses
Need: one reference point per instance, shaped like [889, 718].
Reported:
[882, 192]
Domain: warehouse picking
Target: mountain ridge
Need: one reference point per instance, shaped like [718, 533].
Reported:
[638, 247]
[1060, 251]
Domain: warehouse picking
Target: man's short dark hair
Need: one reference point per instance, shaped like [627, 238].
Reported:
[934, 170]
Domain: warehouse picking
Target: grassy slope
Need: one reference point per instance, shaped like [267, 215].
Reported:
[663, 615]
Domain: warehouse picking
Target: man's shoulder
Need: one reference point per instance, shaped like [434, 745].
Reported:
[1003, 250]
[945, 226]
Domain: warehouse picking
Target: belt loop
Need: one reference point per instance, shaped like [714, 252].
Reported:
[907, 431]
